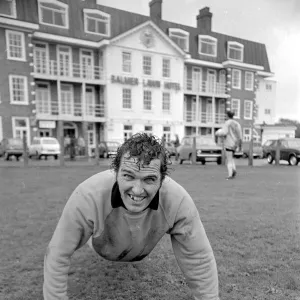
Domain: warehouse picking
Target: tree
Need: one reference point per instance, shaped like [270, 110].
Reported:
[283, 121]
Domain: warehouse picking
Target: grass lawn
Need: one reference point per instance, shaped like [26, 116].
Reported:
[253, 224]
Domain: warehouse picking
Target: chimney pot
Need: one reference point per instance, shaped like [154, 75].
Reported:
[204, 20]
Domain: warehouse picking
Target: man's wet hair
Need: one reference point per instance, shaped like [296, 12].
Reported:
[145, 147]
[230, 114]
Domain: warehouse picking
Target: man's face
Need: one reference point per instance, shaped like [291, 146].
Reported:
[138, 184]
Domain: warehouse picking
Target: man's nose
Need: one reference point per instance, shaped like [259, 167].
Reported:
[138, 188]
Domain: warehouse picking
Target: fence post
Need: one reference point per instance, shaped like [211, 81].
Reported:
[250, 155]
[25, 153]
[194, 151]
[62, 144]
[223, 153]
[277, 153]
[97, 149]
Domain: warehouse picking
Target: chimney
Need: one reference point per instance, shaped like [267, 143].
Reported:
[204, 20]
[155, 10]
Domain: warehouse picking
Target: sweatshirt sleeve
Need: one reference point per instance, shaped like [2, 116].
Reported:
[73, 230]
[194, 253]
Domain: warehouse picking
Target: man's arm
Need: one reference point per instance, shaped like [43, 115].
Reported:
[194, 253]
[73, 231]
[222, 131]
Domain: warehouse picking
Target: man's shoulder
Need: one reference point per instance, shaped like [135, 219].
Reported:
[101, 181]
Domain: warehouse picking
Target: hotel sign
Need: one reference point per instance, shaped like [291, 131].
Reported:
[145, 82]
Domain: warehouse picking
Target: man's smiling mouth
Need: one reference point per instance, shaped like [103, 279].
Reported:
[136, 198]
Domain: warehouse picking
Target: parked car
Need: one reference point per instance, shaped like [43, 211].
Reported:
[289, 149]
[206, 150]
[266, 147]
[257, 150]
[107, 149]
[44, 146]
[171, 148]
[11, 147]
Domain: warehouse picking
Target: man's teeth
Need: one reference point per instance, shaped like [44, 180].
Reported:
[136, 198]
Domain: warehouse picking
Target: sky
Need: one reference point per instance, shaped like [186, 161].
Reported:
[275, 23]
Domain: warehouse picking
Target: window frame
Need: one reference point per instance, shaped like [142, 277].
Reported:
[148, 56]
[14, 11]
[251, 110]
[26, 101]
[7, 33]
[164, 59]
[58, 3]
[236, 116]
[200, 38]
[248, 135]
[250, 88]
[169, 100]
[144, 94]
[267, 111]
[232, 43]
[87, 11]
[127, 132]
[126, 65]
[14, 127]
[173, 31]
[238, 87]
[123, 94]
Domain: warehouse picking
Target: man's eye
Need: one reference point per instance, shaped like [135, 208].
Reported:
[150, 180]
[127, 176]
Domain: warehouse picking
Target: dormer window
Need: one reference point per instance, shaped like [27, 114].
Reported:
[235, 51]
[8, 8]
[207, 45]
[180, 37]
[54, 13]
[96, 22]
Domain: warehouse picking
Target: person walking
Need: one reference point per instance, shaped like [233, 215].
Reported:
[231, 132]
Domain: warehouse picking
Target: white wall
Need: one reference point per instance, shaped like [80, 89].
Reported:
[266, 99]
[136, 116]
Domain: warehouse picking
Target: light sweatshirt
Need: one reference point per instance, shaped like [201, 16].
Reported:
[95, 210]
[232, 132]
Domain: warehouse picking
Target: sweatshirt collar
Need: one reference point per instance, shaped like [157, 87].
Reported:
[116, 200]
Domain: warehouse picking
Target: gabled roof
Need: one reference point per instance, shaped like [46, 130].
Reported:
[254, 53]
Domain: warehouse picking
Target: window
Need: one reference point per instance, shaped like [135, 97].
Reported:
[15, 45]
[235, 51]
[8, 8]
[20, 127]
[166, 103]
[248, 109]
[127, 132]
[267, 111]
[147, 65]
[246, 134]
[236, 78]
[166, 67]
[53, 13]
[91, 133]
[269, 87]
[180, 37]
[167, 133]
[126, 65]
[148, 129]
[235, 107]
[127, 98]
[147, 100]
[207, 45]
[96, 22]
[249, 80]
[18, 89]
[43, 98]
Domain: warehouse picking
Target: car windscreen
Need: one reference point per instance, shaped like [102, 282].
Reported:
[294, 144]
[205, 141]
[15, 142]
[50, 142]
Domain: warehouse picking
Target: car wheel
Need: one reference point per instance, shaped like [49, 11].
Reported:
[6, 156]
[203, 162]
[105, 155]
[190, 158]
[219, 161]
[56, 157]
[270, 159]
[293, 160]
